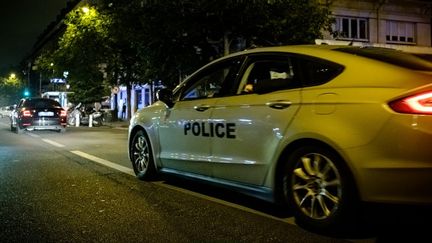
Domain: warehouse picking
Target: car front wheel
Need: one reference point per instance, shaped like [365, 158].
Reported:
[142, 157]
[317, 188]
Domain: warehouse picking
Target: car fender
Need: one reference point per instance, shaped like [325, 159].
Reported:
[148, 119]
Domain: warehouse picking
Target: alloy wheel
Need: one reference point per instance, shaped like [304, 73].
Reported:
[316, 186]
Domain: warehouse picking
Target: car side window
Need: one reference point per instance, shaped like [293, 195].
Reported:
[269, 74]
[317, 71]
[215, 81]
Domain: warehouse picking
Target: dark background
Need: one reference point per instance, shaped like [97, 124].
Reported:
[21, 23]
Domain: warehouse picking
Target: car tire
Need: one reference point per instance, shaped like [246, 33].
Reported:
[19, 130]
[319, 190]
[142, 156]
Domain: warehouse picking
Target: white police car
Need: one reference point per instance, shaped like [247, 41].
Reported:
[316, 128]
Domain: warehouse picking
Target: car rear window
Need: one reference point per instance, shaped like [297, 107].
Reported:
[391, 56]
[41, 103]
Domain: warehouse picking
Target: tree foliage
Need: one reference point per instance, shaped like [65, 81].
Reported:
[173, 38]
[81, 50]
[11, 90]
[138, 41]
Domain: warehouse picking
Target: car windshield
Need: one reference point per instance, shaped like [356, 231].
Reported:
[41, 103]
[390, 56]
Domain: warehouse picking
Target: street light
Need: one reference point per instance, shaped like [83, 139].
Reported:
[85, 10]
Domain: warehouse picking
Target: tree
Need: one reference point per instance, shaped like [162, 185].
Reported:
[81, 50]
[11, 89]
[183, 35]
[140, 41]
[125, 66]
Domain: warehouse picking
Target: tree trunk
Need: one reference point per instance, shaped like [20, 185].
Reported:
[115, 111]
[128, 100]
[226, 42]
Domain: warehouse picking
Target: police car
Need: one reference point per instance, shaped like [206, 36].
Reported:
[315, 128]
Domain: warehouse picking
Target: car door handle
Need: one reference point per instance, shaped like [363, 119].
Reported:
[201, 107]
[279, 104]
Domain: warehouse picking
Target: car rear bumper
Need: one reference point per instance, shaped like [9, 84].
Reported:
[43, 124]
[31, 128]
[396, 167]
[398, 184]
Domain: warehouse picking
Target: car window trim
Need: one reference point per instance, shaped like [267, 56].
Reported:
[184, 86]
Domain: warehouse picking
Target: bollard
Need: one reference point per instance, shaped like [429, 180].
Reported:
[91, 120]
[77, 120]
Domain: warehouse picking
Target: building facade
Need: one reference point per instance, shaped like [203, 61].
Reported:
[399, 24]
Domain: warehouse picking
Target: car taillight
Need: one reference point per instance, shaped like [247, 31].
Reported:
[25, 113]
[415, 104]
[63, 113]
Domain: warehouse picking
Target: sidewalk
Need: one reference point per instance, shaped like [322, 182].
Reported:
[120, 124]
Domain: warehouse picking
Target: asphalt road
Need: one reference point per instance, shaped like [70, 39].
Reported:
[79, 187]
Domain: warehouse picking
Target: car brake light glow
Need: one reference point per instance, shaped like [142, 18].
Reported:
[26, 113]
[63, 113]
[415, 104]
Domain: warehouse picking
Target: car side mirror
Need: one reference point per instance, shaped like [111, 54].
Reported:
[166, 96]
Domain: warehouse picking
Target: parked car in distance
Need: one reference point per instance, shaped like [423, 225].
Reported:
[38, 114]
[317, 129]
[5, 111]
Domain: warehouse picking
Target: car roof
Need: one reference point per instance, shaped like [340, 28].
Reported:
[332, 52]
[400, 65]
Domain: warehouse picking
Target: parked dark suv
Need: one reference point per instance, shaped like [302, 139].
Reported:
[38, 114]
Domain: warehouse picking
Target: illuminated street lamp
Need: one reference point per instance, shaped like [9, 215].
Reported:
[85, 10]
[12, 76]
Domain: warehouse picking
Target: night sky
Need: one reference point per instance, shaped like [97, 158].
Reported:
[21, 23]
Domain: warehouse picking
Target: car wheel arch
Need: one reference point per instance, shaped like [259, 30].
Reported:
[350, 195]
[290, 148]
[134, 131]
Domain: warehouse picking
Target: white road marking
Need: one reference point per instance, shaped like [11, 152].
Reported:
[129, 171]
[195, 194]
[53, 143]
[104, 162]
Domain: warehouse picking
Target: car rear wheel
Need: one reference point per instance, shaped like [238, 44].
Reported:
[142, 157]
[318, 190]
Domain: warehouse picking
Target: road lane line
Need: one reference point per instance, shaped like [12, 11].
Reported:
[33, 135]
[104, 162]
[53, 143]
[219, 201]
[289, 220]
[131, 172]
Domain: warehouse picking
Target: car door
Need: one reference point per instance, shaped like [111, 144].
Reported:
[267, 100]
[185, 131]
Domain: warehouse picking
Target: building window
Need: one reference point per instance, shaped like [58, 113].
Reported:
[351, 28]
[400, 32]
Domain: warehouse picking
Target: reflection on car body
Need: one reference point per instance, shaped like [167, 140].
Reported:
[316, 128]
[38, 114]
